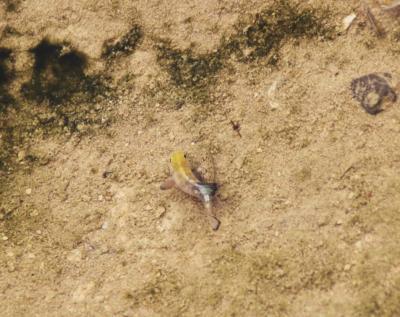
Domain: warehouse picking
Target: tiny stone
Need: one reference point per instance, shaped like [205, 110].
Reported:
[347, 267]
[259, 150]
[160, 211]
[38, 231]
[10, 266]
[104, 226]
[280, 272]
[85, 198]
[358, 244]
[28, 191]
[5, 238]
[100, 197]
[339, 222]
[323, 222]
[21, 156]
[147, 208]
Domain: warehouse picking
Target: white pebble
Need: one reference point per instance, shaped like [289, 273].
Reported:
[28, 191]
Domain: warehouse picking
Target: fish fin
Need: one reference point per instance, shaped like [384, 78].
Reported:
[208, 189]
[168, 183]
[198, 175]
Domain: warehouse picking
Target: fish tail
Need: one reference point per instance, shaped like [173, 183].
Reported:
[214, 222]
[208, 189]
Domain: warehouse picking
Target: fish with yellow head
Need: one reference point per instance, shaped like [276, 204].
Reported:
[182, 177]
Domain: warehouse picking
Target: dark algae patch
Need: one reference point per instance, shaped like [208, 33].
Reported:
[58, 75]
[6, 75]
[259, 36]
[124, 45]
[58, 99]
[191, 74]
[263, 34]
[12, 5]
[187, 69]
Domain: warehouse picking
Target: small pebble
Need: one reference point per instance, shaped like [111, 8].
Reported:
[28, 191]
[160, 211]
[100, 198]
[147, 207]
[347, 267]
[5, 238]
[21, 156]
[85, 198]
[339, 222]
[259, 150]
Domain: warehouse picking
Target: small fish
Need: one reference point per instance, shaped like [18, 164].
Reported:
[183, 178]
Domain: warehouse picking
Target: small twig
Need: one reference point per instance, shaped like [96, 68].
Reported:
[346, 171]
[236, 127]
[372, 20]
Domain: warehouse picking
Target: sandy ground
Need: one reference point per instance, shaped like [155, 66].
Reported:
[309, 194]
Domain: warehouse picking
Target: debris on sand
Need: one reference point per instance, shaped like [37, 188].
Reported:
[371, 20]
[236, 127]
[373, 92]
[271, 95]
[348, 21]
[392, 9]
